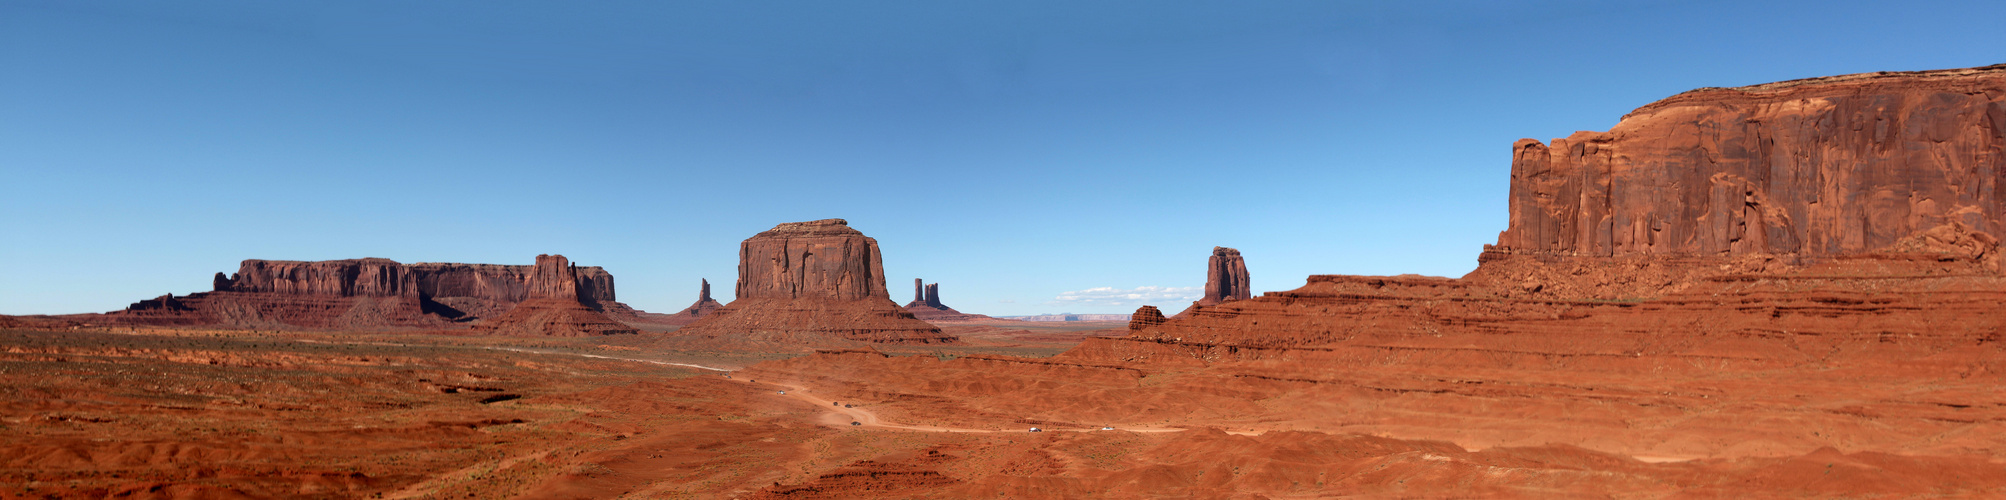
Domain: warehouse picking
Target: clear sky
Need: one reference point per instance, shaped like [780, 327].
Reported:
[1022, 154]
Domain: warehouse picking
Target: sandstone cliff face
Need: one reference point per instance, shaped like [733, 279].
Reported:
[1815, 167]
[1225, 277]
[370, 277]
[823, 259]
[554, 308]
[1752, 179]
[801, 280]
[553, 277]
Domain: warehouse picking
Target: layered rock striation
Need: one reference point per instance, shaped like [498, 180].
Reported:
[554, 308]
[809, 280]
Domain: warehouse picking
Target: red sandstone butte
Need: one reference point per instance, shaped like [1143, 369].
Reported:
[802, 280]
[553, 309]
[1225, 277]
[362, 294]
[926, 305]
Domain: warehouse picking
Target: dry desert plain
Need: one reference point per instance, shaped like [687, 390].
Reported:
[1784, 290]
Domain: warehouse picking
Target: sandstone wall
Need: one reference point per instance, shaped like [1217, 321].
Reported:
[1814, 167]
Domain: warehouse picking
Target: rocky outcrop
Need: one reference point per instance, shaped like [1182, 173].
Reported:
[553, 309]
[803, 280]
[926, 305]
[704, 306]
[370, 293]
[1146, 317]
[1802, 169]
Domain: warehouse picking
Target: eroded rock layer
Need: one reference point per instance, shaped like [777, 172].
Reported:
[809, 280]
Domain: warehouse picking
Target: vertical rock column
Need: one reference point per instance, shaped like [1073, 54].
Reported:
[1225, 278]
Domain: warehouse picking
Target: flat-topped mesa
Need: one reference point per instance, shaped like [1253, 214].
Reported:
[474, 290]
[374, 292]
[818, 278]
[554, 308]
[1802, 170]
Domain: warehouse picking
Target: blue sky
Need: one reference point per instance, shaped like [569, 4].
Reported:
[1016, 152]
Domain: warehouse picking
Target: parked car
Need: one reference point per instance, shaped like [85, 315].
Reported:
[1035, 429]
[1107, 428]
[853, 422]
[783, 393]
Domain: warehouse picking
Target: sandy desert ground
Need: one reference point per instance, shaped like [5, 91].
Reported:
[185, 413]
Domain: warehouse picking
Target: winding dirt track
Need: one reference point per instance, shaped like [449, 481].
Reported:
[840, 416]
[866, 418]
